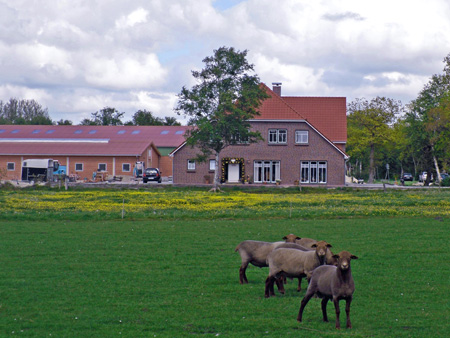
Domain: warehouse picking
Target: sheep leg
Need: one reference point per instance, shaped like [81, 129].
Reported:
[269, 291]
[338, 312]
[305, 301]
[242, 276]
[347, 311]
[280, 285]
[299, 288]
[324, 309]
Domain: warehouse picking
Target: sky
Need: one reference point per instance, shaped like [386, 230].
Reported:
[76, 57]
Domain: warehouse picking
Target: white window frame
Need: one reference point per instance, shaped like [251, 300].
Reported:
[212, 165]
[314, 172]
[79, 164]
[266, 171]
[13, 166]
[191, 165]
[124, 169]
[301, 137]
[277, 136]
[102, 165]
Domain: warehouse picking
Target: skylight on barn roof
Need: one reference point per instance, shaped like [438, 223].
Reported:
[164, 132]
[120, 132]
[92, 131]
[79, 131]
[36, 131]
[135, 132]
[50, 131]
[179, 132]
[15, 131]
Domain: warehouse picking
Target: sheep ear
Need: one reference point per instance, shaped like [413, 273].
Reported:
[285, 237]
[353, 257]
[329, 246]
[336, 256]
[298, 237]
[314, 246]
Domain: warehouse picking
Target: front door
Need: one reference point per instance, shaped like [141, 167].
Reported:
[233, 172]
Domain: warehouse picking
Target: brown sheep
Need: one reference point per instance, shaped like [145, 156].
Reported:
[331, 282]
[329, 259]
[306, 242]
[256, 252]
[293, 263]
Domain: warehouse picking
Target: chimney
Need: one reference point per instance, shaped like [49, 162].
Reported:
[277, 88]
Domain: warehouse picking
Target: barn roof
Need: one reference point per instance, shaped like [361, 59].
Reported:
[86, 140]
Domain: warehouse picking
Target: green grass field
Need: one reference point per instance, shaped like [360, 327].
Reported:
[178, 277]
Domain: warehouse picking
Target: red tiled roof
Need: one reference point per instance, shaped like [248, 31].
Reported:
[275, 108]
[327, 114]
[86, 140]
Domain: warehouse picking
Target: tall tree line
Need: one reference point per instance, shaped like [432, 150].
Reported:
[20, 112]
[386, 138]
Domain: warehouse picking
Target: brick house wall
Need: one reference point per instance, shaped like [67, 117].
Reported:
[290, 155]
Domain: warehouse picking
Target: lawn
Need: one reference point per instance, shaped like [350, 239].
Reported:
[175, 276]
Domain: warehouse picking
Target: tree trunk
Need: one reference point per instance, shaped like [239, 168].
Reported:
[216, 174]
[371, 163]
[436, 165]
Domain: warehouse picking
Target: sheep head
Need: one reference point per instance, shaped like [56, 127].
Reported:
[291, 238]
[321, 248]
[343, 259]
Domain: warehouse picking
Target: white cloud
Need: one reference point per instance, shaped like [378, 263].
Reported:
[80, 56]
[137, 16]
[124, 71]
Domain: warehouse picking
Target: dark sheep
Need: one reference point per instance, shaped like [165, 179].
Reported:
[332, 283]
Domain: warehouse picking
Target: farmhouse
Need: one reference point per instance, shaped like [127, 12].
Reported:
[84, 150]
[304, 143]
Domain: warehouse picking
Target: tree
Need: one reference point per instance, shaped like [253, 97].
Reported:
[221, 104]
[370, 126]
[171, 121]
[424, 119]
[105, 117]
[146, 118]
[64, 122]
[23, 112]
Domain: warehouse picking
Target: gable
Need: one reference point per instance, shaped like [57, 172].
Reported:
[326, 114]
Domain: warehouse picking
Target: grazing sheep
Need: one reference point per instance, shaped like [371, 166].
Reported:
[256, 252]
[331, 282]
[306, 242]
[293, 263]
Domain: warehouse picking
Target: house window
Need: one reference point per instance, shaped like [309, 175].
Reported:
[313, 172]
[266, 171]
[191, 165]
[78, 166]
[277, 136]
[11, 166]
[212, 165]
[301, 137]
[322, 172]
[102, 167]
[126, 167]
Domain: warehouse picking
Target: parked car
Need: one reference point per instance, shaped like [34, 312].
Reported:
[151, 174]
[444, 176]
[407, 177]
[423, 177]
